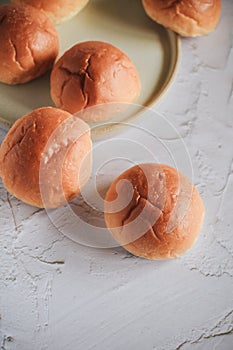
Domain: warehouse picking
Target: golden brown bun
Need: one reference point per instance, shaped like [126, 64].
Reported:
[186, 17]
[57, 10]
[93, 73]
[28, 43]
[45, 158]
[154, 211]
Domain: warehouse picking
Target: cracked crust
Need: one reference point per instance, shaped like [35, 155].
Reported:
[30, 43]
[186, 17]
[162, 215]
[81, 76]
[40, 146]
[57, 10]
[94, 73]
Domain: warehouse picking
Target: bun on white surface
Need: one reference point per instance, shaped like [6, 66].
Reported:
[93, 73]
[186, 17]
[154, 211]
[57, 10]
[45, 158]
[28, 43]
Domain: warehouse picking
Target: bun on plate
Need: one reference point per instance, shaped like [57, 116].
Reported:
[28, 43]
[57, 10]
[94, 73]
[186, 17]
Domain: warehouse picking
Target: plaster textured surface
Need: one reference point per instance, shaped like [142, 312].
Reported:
[58, 294]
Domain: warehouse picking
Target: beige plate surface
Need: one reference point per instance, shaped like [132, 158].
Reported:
[153, 49]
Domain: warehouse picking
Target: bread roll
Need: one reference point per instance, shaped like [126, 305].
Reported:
[94, 73]
[28, 43]
[186, 17]
[57, 10]
[45, 158]
[154, 211]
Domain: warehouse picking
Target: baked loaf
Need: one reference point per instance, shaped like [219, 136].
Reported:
[154, 211]
[94, 73]
[45, 158]
[57, 10]
[28, 43]
[186, 17]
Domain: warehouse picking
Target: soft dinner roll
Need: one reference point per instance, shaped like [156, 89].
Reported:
[28, 43]
[57, 10]
[45, 158]
[186, 17]
[154, 211]
[93, 73]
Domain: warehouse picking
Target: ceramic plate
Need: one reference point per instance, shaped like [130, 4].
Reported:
[153, 49]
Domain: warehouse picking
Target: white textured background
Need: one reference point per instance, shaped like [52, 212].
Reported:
[57, 294]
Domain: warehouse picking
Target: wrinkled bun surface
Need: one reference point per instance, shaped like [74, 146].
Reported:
[57, 10]
[186, 17]
[45, 158]
[154, 211]
[93, 73]
[28, 43]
